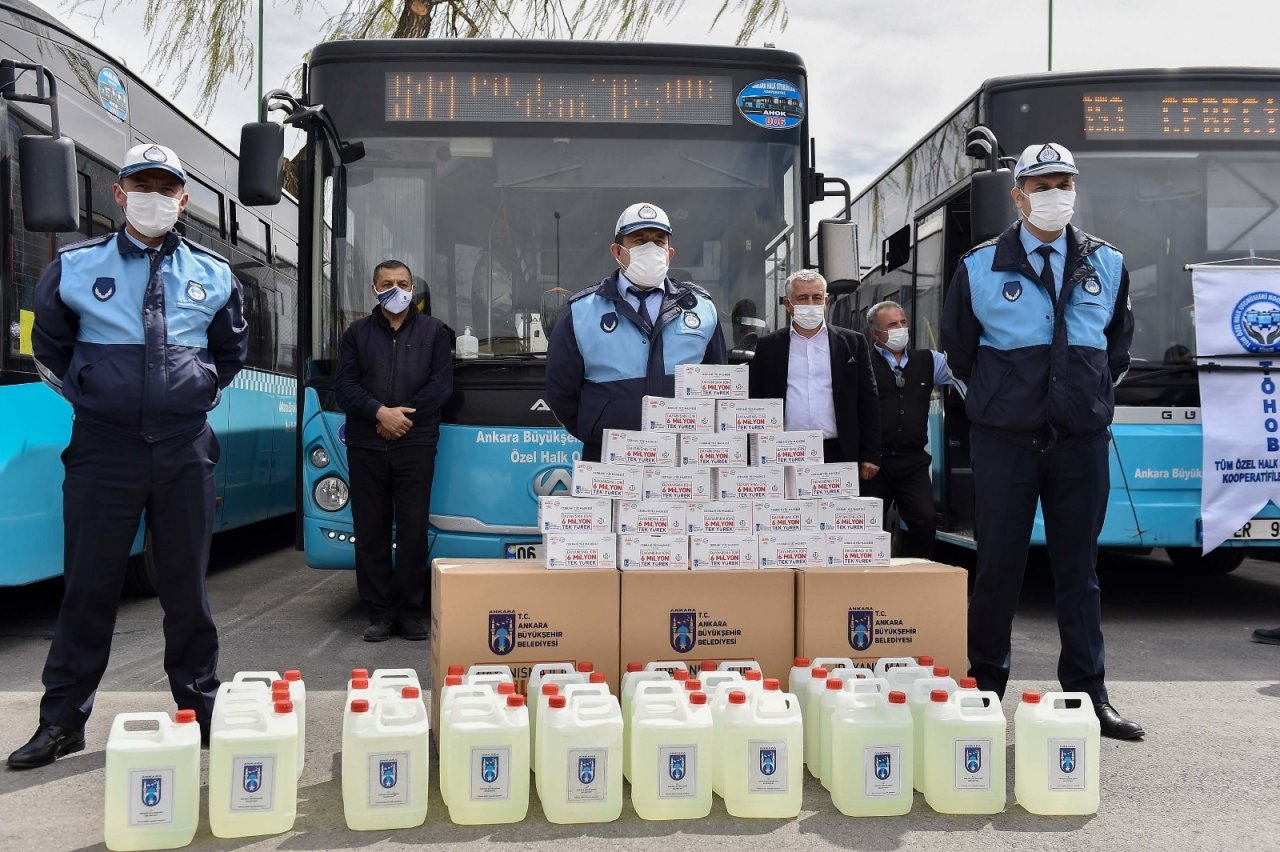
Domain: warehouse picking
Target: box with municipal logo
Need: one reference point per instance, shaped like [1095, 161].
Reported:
[517, 613]
[644, 449]
[748, 415]
[785, 515]
[575, 514]
[711, 381]
[581, 550]
[850, 514]
[651, 516]
[723, 552]
[770, 448]
[663, 414]
[710, 615]
[653, 552]
[617, 482]
[903, 610]
[821, 480]
[676, 483]
[720, 516]
[792, 550]
[849, 550]
[747, 483]
[727, 449]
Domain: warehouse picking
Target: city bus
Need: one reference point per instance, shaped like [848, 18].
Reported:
[496, 171]
[106, 109]
[1176, 167]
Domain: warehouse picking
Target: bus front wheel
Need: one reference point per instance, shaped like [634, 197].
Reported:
[140, 576]
[1189, 560]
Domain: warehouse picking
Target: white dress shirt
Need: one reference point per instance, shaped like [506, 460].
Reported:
[810, 404]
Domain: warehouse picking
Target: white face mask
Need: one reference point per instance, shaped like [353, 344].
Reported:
[150, 213]
[808, 317]
[646, 265]
[896, 339]
[395, 300]
[1051, 209]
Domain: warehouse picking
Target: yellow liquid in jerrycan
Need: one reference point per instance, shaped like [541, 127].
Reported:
[580, 777]
[671, 755]
[253, 782]
[385, 764]
[152, 786]
[964, 757]
[871, 747]
[487, 760]
[1056, 754]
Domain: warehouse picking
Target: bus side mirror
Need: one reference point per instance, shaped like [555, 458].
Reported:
[261, 163]
[49, 163]
[991, 208]
[838, 255]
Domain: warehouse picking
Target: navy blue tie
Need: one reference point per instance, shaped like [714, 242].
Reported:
[1046, 272]
[643, 295]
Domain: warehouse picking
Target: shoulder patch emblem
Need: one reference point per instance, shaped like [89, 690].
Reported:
[1012, 290]
[104, 288]
[196, 292]
[692, 320]
[609, 322]
[1092, 286]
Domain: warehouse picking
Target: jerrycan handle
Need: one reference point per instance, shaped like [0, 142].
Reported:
[973, 703]
[1069, 704]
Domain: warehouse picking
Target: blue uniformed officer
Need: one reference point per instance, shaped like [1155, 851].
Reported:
[140, 331]
[621, 339]
[1037, 323]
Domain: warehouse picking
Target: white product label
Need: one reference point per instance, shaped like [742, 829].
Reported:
[490, 774]
[389, 779]
[973, 764]
[767, 766]
[678, 772]
[1067, 764]
[882, 771]
[151, 796]
[253, 783]
[588, 773]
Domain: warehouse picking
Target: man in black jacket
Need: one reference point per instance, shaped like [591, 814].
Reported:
[395, 373]
[825, 376]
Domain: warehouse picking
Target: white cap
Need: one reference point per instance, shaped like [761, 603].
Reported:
[1046, 159]
[640, 216]
[141, 158]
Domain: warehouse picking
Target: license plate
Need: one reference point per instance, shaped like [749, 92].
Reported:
[1259, 529]
[531, 550]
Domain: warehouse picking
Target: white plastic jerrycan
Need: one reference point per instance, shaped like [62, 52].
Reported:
[152, 781]
[298, 695]
[798, 680]
[1056, 754]
[394, 680]
[581, 753]
[455, 690]
[670, 754]
[964, 753]
[919, 697]
[838, 681]
[385, 762]
[739, 666]
[812, 701]
[668, 666]
[260, 677]
[558, 679]
[538, 671]
[231, 694]
[570, 692]
[901, 677]
[871, 745]
[630, 683]
[253, 785]
[764, 741]
[833, 663]
[488, 760]
[883, 664]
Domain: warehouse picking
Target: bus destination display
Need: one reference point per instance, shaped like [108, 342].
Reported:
[1203, 114]
[561, 98]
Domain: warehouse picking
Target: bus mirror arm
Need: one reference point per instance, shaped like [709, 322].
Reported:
[48, 162]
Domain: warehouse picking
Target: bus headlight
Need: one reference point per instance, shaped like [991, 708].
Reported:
[319, 458]
[331, 494]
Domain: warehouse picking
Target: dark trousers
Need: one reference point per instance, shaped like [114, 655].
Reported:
[1071, 485]
[831, 453]
[904, 480]
[391, 485]
[110, 481]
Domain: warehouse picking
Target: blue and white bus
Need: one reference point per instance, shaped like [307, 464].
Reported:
[105, 109]
[1177, 167]
[496, 170]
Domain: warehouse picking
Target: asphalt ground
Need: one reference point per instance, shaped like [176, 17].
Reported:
[1179, 658]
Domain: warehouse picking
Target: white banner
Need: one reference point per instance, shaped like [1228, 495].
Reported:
[1238, 328]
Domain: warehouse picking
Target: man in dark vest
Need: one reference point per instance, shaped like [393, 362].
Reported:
[905, 379]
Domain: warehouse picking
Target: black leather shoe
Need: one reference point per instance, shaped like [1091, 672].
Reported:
[1267, 635]
[412, 628]
[379, 631]
[1115, 726]
[49, 743]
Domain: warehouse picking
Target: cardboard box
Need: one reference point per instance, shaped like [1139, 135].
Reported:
[792, 550]
[721, 516]
[747, 483]
[716, 450]
[785, 515]
[652, 516]
[617, 482]
[905, 610]
[517, 613]
[653, 552]
[850, 514]
[748, 415]
[821, 480]
[676, 483]
[662, 414]
[642, 449]
[720, 551]
[711, 381]
[581, 550]
[710, 615]
[770, 448]
[575, 514]
[866, 549]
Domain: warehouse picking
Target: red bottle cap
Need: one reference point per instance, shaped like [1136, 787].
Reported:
[924, 660]
[597, 677]
[802, 662]
[550, 689]
[697, 698]
[771, 685]
[360, 705]
[557, 702]
[506, 688]
[692, 685]
[942, 671]
[184, 717]
[835, 684]
[635, 667]
[284, 706]
[752, 674]
[737, 697]
[515, 700]
[292, 675]
[279, 684]
[454, 670]
[586, 667]
[939, 696]
[968, 683]
[680, 674]
[410, 692]
[360, 683]
[355, 673]
[453, 680]
[897, 697]
[1031, 697]
[709, 665]
[818, 673]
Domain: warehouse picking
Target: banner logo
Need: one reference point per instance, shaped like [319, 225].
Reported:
[684, 630]
[1255, 321]
[502, 632]
[860, 623]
